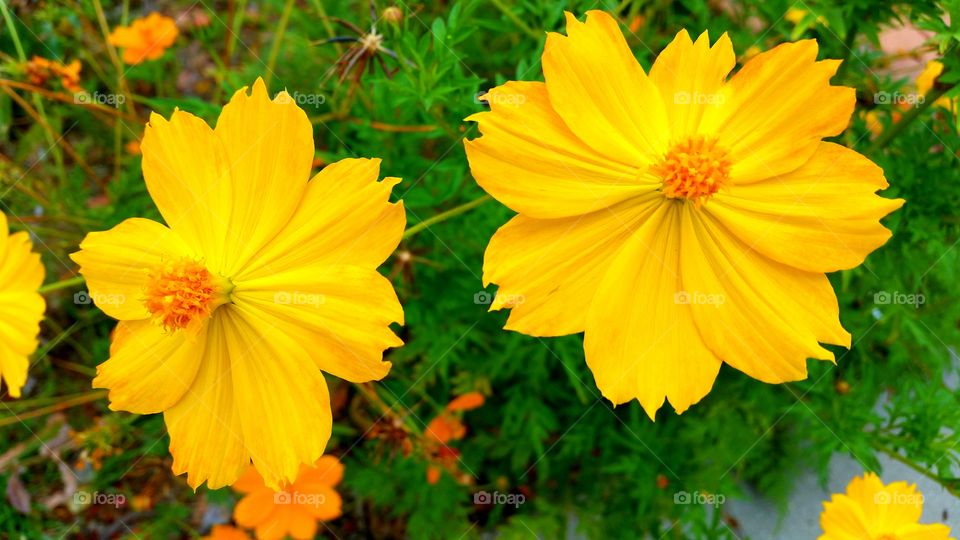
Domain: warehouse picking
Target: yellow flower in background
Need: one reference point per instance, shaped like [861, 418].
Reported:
[679, 218]
[145, 39]
[926, 80]
[259, 281]
[21, 306]
[294, 510]
[870, 510]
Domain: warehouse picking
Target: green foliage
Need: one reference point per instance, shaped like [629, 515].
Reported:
[544, 432]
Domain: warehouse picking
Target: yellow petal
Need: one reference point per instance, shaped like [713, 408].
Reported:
[149, 369]
[765, 318]
[640, 342]
[843, 519]
[822, 217]
[280, 395]
[776, 109]
[343, 312]
[345, 217]
[689, 76]
[601, 91]
[529, 160]
[269, 147]
[548, 270]
[21, 307]
[206, 437]
[916, 531]
[187, 172]
[116, 264]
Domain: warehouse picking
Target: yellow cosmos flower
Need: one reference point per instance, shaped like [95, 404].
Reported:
[145, 39]
[872, 511]
[21, 306]
[258, 282]
[297, 508]
[679, 218]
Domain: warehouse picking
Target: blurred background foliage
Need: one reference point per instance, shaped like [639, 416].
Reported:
[69, 164]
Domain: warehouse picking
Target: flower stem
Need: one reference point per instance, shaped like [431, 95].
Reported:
[443, 216]
[897, 128]
[517, 20]
[62, 284]
[72, 401]
[951, 487]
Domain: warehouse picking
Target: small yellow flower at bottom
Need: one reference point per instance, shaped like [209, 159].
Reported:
[21, 306]
[870, 510]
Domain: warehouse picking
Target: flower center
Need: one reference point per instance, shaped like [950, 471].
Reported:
[695, 168]
[181, 294]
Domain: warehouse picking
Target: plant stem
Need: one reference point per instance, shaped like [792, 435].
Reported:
[62, 284]
[278, 39]
[893, 454]
[516, 20]
[443, 216]
[928, 100]
[56, 407]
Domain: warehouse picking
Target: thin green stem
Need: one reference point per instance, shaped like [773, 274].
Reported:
[443, 216]
[37, 102]
[516, 20]
[893, 454]
[897, 128]
[278, 39]
[56, 407]
[62, 284]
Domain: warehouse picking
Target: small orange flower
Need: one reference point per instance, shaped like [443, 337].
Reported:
[466, 402]
[226, 532]
[40, 70]
[145, 39]
[445, 428]
[296, 509]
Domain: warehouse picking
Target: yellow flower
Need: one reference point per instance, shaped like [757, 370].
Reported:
[872, 511]
[678, 218]
[145, 39]
[259, 280]
[21, 273]
[295, 509]
[927, 78]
